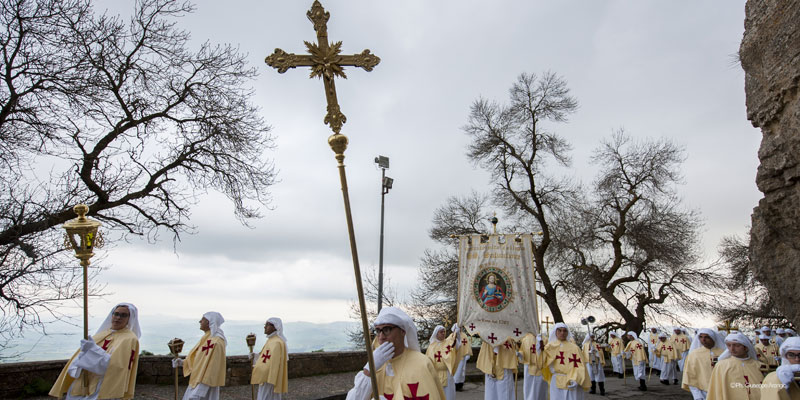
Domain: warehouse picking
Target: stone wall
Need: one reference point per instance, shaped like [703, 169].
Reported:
[158, 369]
[770, 56]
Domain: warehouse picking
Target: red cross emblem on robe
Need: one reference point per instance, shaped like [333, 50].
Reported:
[575, 360]
[747, 384]
[265, 357]
[208, 347]
[413, 387]
[560, 357]
[106, 342]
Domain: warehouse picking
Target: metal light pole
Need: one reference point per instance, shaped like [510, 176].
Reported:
[386, 184]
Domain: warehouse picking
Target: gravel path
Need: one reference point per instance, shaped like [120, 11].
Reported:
[335, 386]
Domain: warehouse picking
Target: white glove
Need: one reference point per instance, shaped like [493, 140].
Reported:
[454, 328]
[786, 373]
[87, 345]
[92, 358]
[627, 354]
[572, 384]
[496, 349]
[381, 355]
[177, 362]
[466, 357]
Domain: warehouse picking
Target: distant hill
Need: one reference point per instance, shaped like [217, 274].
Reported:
[62, 338]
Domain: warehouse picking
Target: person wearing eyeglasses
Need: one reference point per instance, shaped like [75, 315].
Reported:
[402, 371]
[783, 384]
[108, 360]
[205, 363]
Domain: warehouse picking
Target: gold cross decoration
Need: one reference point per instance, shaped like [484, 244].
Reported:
[325, 62]
[547, 323]
[727, 327]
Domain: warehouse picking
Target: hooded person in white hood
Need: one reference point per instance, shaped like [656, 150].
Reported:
[737, 371]
[402, 371]
[704, 352]
[781, 384]
[205, 365]
[595, 361]
[271, 367]
[109, 360]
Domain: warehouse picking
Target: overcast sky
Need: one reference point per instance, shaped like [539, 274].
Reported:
[654, 68]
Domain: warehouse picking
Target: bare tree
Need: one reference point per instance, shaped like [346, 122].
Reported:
[434, 300]
[629, 243]
[514, 143]
[119, 115]
[746, 300]
[390, 299]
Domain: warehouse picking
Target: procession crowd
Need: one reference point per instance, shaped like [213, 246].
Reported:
[710, 364]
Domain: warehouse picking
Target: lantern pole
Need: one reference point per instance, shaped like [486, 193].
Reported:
[82, 237]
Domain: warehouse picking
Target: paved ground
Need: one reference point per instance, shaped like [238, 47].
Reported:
[615, 390]
[335, 386]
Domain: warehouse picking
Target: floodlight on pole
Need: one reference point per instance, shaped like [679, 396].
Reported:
[386, 184]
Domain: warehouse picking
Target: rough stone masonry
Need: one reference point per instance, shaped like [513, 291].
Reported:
[770, 57]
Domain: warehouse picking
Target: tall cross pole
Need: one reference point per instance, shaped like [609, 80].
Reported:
[326, 63]
[547, 323]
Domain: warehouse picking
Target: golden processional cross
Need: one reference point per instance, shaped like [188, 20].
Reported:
[727, 327]
[326, 63]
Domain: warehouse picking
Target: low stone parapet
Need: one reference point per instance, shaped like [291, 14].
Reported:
[16, 377]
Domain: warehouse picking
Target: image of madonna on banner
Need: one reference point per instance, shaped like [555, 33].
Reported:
[497, 299]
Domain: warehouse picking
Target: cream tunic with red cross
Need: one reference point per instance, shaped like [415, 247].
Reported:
[271, 366]
[566, 361]
[495, 364]
[767, 354]
[732, 378]
[412, 377]
[530, 354]
[444, 357]
[120, 377]
[615, 345]
[206, 362]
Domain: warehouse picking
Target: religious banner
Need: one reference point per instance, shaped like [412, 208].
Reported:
[497, 296]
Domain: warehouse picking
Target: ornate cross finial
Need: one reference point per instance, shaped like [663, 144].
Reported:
[326, 63]
[727, 327]
[547, 323]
